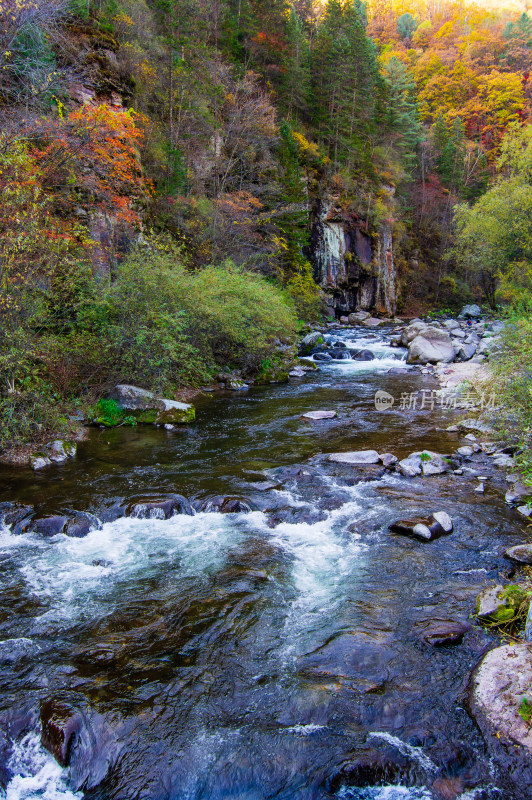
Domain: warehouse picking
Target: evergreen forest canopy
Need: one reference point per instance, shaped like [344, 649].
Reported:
[160, 162]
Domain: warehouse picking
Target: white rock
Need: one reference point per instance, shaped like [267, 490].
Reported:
[319, 415]
[358, 457]
[480, 488]
[470, 437]
[465, 451]
[444, 519]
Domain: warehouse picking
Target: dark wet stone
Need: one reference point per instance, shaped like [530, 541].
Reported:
[442, 633]
[369, 769]
[423, 528]
[81, 739]
[163, 508]
[101, 562]
[12, 514]
[322, 357]
[340, 355]
[363, 355]
[47, 526]
[60, 725]
[78, 528]
[224, 505]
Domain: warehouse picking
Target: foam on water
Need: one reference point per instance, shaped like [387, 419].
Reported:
[36, 775]
[384, 793]
[415, 753]
[78, 575]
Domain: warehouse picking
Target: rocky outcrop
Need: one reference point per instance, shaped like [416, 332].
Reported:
[355, 270]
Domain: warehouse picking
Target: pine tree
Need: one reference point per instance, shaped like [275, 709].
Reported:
[344, 82]
[402, 115]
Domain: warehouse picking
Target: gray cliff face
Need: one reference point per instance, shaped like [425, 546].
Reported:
[355, 270]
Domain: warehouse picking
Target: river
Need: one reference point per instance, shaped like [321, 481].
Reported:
[271, 654]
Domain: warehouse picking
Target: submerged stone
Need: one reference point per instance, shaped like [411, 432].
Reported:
[316, 415]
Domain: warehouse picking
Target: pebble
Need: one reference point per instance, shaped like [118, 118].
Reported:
[480, 488]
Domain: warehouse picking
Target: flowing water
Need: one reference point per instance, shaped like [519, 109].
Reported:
[270, 654]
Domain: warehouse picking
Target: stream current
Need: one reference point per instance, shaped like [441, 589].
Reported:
[270, 654]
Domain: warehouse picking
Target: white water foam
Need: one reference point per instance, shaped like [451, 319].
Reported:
[37, 776]
[304, 730]
[77, 576]
[415, 753]
[389, 792]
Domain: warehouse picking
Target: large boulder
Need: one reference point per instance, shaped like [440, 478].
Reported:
[500, 702]
[424, 462]
[358, 317]
[409, 333]
[470, 312]
[147, 408]
[363, 355]
[431, 346]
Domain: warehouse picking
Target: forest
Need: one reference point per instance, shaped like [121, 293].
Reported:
[164, 165]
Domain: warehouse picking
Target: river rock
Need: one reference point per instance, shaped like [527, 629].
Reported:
[451, 324]
[497, 689]
[363, 355]
[423, 462]
[426, 529]
[466, 351]
[521, 553]
[409, 333]
[322, 357]
[340, 355]
[12, 514]
[502, 461]
[525, 511]
[297, 372]
[471, 311]
[410, 466]
[488, 447]
[163, 508]
[309, 342]
[315, 415]
[388, 459]
[443, 633]
[470, 437]
[78, 527]
[372, 322]
[47, 526]
[39, 461]
[488, 601]
[60, 450]
[465, 451]
[358, 317]
[224, 505]
[444, 519]
[480, 488]
[517, 493]
[147, 408]
[431, 346]
[357, 458]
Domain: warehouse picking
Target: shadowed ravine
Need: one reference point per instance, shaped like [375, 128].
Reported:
[272, 654]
